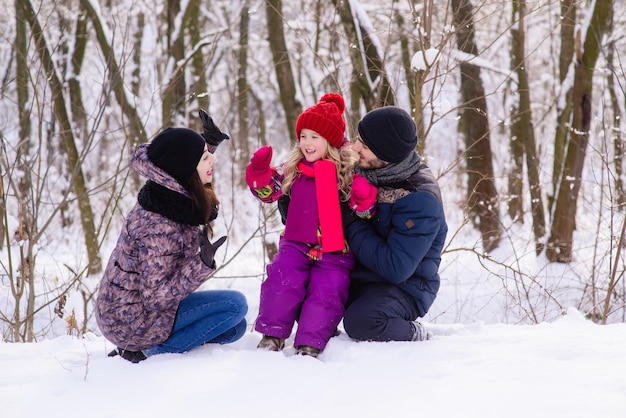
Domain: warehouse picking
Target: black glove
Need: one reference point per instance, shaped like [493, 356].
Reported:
[211, 133]
[207, 250]
[283, 207]
[348, 217]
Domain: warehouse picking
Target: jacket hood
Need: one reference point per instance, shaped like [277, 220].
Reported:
[146, 168]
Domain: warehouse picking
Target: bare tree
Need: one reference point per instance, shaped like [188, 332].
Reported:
[474, 126]
[559, 246]
[523, 135]
[370, 82]
[282, 63]
[616, 90]
[173, 95]
[566, 55]
[3, 206]
[136, 131]
[66, 132]
[199, 87]
[421, 60]
[416, 81]
[243, 89]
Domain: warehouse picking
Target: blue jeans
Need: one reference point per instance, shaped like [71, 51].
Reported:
[209, 316]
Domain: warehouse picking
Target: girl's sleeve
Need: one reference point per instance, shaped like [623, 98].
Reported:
[273, 191]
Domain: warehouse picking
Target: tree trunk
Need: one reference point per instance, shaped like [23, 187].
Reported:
[77, 179]
[135, 83]
[559, 247]
[242, 91]
[78, 112]
[199, 87]
[515, 175]
[282, 65]
[618, 137]
[22, 83]
[474, 125]
[568, 24]
[369, 77]
[515, 202]
[525, 131]
[136, 133]
[412, 78]
[3, 212]
[173, 95]
[19, 277]
[416, 78]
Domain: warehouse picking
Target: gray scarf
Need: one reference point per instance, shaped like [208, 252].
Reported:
[392, 173]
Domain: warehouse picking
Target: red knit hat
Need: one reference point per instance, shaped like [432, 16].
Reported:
[325, 118]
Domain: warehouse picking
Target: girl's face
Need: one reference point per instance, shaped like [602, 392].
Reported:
[313, 145]
[205, 166]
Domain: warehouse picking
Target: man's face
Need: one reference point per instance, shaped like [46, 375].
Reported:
[367, 159]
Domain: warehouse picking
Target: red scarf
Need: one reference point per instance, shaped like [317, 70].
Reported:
[328, 209]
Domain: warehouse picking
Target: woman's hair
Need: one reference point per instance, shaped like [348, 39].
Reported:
[204, 199]
[344, 159]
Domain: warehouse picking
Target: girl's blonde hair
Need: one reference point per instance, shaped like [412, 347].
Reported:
[344, 159]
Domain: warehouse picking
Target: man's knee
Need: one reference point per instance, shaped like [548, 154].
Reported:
[358, 323]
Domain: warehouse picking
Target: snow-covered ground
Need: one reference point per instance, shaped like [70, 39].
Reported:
[566, 368]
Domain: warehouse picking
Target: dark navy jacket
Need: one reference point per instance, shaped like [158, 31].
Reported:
[402, 244]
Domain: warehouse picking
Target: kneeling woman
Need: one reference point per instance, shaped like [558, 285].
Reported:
[147, 301]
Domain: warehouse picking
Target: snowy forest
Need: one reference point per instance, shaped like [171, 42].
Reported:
[519, 107]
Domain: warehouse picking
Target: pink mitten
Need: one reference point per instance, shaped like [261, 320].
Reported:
[258, 172]
[363, 196]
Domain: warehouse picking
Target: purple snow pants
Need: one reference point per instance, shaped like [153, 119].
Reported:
[312, 292]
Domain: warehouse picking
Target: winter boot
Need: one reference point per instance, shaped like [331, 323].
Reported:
[270, 343]
[132, 356]
[419, 332]
[305, 350]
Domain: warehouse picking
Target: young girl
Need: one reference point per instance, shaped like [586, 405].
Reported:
[308, 278]
[146, 302]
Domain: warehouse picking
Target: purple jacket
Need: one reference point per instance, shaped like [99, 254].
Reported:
[155, 264]
[302, 222]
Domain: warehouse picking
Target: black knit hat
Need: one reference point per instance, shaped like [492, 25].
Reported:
[389, 132]
[177, 151]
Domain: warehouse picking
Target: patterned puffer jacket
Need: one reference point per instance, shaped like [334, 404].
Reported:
[155, 264]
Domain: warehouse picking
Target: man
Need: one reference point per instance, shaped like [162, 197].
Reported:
[398, 252]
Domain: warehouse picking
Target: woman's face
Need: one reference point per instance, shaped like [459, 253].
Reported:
[205, 166]
[313, 145]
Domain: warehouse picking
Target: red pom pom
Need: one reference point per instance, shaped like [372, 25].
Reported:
[336, 99]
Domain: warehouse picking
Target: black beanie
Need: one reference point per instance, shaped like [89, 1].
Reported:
[389, 132]
[177, 151]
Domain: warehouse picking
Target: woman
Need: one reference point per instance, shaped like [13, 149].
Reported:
[147, 303]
